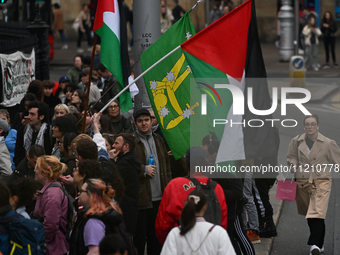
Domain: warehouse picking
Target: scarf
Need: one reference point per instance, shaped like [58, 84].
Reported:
[40, 137]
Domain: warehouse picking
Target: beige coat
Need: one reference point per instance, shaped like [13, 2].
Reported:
[58, 22]
[314, 175]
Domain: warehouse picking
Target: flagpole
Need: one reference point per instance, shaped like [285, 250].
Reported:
[140, 76]
[89, 82]
[147, 70]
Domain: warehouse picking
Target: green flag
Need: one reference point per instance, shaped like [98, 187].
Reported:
[168, 86]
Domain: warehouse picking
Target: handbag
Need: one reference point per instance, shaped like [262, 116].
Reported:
[76, 24]
[286, 190]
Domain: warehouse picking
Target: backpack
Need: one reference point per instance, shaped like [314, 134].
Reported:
[127, 238]
[71, 212]
[26, 237]
[213, 213]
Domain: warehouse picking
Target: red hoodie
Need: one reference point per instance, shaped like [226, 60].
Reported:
[172, 203]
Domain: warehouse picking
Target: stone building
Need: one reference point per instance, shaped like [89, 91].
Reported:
[266, 12]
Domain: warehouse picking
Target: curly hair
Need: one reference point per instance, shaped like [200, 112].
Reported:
[51, 166]
[90, 169]
[24, 188]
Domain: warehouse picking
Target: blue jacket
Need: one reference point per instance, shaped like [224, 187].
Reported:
[10, 142]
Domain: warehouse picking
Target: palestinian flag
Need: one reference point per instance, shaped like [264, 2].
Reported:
[230, 47]
[110, 25]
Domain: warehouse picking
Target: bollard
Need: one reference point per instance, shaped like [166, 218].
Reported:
[286, 18]
[297, 72]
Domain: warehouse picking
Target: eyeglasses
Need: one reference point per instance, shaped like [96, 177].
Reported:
[81, 191]
[311, 125]
[113, 106]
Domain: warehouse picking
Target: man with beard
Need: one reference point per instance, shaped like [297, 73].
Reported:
[129, 167]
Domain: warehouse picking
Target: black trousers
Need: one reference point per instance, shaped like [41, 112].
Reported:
[88, 35]
[329, 42]
[145, 231]
[317, 230]
[263, 186]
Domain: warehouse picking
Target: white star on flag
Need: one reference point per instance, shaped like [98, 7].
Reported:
[189, 69]
[153, 85]
[164, 111]
[188, 35]
[187, 113]
[170, 76]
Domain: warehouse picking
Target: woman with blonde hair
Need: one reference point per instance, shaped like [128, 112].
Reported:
[60, 110]
[52, 204]
[99, 217]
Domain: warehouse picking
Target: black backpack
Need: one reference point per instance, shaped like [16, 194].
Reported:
[213, 213]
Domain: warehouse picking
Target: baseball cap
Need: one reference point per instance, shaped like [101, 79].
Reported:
[63, 79]
[142, 111]
[3, 125]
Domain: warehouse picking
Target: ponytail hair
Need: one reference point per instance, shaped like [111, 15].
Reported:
[195, 203]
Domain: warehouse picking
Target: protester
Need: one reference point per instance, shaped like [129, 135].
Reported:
[195, 234]
[69, 89]
[177, 191]
[313, 187]
[152, 181]
[99, 217]
[49, 99]
[52, 204]
[78, 99]
[311, 33]
[61, 126]
[7, 215]
[20, 118]
[74, 72]
[119, 122]
[60, 92]
[5, 162]
[67, 155]
[58, 24]
[84, 27]
[60, 110]
[94, 95]
[109, 140]
[36, 132]
[129, 167]
[329, 28]
[11, 138]
[27, 165]
[110, 84]
[22, 193]
[36, 88]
